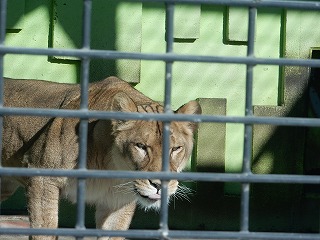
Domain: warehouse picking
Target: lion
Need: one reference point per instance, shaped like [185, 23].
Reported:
[53, 143]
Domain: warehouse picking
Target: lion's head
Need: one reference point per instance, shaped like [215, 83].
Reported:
[140, 145]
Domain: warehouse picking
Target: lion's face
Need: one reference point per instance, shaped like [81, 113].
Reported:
[140, 144]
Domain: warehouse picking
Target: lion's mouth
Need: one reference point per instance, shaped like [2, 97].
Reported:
[152, 198]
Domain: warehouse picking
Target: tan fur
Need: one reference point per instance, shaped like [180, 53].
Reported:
[43, 142]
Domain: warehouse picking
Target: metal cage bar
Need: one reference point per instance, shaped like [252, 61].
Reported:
[245, 177]
[109, 54]
[3, 22]
[164, 215]
[248, 128]
[83, 127]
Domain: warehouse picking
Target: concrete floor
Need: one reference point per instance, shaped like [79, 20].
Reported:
[26, 238]
[23, 222]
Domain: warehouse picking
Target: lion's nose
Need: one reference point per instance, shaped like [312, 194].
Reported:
[155, 184]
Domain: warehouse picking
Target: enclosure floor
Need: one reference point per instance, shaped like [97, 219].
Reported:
[23, 222]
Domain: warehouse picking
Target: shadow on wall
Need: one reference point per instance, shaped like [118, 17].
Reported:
[286, 150]
[66, 32]
[65, 29]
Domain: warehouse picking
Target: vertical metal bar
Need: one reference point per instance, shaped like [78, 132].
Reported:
[85, 66]
[166, 125]
[3, 20]
[3, 25]
[247, 155]
[83, 127]
[169, 49]
[164, 211]
[249, 91]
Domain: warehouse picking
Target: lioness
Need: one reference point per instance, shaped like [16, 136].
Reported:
[40, 142]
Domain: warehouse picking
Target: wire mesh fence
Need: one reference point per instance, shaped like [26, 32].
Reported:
[245, 178]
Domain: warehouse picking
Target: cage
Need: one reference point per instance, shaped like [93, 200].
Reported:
[252, 65]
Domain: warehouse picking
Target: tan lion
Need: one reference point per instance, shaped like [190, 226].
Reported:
[52, 143]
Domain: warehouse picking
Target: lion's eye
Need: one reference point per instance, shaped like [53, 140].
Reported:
[178, 148]
[141, 146]
[175, 151]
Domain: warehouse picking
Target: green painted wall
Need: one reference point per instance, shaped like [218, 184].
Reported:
[211, 31]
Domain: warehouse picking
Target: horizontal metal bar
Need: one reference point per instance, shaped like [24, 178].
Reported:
[184, 176]
[144, 234]
[239, 235]
[86, 114]
[151, 234]
[306, 5]
[168, 57]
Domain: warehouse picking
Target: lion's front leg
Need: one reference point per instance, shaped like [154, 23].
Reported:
[114, 220]
[43, 200]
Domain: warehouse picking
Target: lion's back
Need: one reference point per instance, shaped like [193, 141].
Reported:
[37, 93]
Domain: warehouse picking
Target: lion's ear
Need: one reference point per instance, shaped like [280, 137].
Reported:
[122, 103]
[192, 107]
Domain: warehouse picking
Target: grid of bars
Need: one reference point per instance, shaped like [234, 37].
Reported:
[245, 178]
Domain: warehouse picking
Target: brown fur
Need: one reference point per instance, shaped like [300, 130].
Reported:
[43, 142]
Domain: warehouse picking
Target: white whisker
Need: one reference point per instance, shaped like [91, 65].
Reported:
[183, 193]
